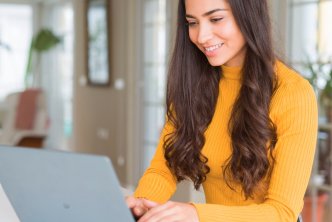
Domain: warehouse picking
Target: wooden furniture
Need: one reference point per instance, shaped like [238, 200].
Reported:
[32, 135]
[32, 142]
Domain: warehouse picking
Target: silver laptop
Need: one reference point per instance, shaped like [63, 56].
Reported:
[53, 186]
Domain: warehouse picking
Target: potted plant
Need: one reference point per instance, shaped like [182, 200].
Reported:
[326, 96]
[43, 41]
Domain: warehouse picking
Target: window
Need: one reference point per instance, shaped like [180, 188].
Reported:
[57, 70]
[15, 36]
[310, 32]
[153, 78]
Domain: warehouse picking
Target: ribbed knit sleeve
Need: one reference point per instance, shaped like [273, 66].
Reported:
[294, 111]
[157, 183]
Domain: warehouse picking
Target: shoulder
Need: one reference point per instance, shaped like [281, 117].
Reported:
[287, 75]
[291, 83]
[293, 93]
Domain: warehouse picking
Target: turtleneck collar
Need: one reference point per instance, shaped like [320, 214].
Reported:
[232, 72]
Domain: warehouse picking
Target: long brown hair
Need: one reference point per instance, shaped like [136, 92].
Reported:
[192, 92]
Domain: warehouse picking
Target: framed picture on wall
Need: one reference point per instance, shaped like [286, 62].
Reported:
[97, 17]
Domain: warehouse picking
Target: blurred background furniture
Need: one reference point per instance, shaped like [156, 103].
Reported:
[26, 120]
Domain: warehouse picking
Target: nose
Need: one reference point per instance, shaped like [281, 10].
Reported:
[204, 33]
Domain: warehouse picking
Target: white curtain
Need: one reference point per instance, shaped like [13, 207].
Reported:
[56, 74]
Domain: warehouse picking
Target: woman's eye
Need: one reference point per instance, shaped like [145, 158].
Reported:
[191, 23]
[216, 19]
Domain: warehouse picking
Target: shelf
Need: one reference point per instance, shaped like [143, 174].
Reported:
[325, 126]
[324, 187]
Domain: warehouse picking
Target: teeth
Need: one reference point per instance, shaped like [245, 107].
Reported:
[209, 49]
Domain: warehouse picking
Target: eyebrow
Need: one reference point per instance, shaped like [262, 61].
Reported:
[207, 13]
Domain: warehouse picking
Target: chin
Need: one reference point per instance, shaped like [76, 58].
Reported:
[215, 62]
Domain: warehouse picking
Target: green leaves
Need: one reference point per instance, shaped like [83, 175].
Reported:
[43, 41]
[326, 93]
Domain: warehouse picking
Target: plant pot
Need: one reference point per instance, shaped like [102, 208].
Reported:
[307, 208]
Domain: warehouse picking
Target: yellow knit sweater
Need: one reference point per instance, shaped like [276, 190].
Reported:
[294, 111]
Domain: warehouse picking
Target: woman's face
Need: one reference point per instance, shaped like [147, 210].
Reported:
[212, 28]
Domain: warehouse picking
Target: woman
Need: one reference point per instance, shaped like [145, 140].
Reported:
[239, 122]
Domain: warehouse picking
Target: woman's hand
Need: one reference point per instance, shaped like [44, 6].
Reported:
[168, 212]
[136, 206]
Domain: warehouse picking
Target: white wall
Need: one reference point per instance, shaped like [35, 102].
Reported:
[100, 113]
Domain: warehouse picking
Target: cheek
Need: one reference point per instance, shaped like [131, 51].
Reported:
[227, 31]
[192, 36]
[234, 39]
[234, 34]
[240, 41]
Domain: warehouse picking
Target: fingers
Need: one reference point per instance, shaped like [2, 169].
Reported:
[149, 204]
[159, 211]
[131, 202]
[170, 211]
[136, 206]
[139, 211]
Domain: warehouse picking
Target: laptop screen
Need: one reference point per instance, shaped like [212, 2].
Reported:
[54, 186]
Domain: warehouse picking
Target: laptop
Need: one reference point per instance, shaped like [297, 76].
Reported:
[53, 186]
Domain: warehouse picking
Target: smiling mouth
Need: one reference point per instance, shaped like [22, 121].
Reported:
[214, 47]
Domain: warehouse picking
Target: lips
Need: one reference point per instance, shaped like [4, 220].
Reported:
[212, 48]
[212, 51]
